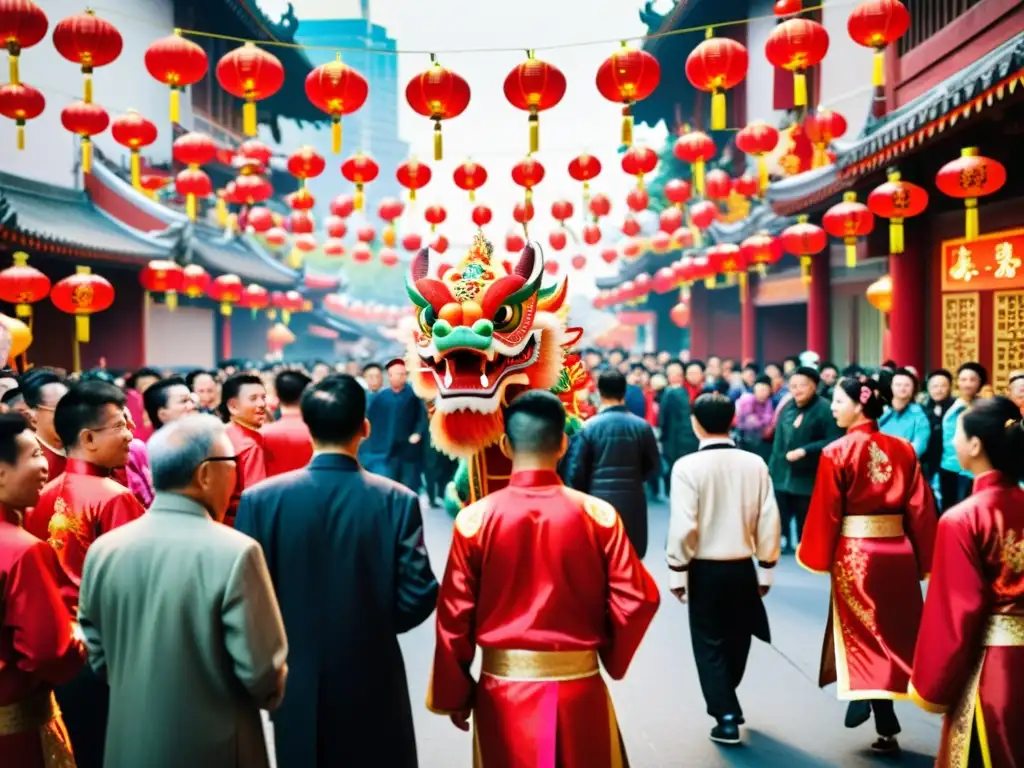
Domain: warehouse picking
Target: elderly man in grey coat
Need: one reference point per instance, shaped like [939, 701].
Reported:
[180, 617]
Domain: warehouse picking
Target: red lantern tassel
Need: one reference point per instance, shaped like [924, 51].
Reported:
[86, 154]
[87, 85]
[175, 105]
[698, 177]
[762, 173]
[286, 316]
[851, 252]
[225, 308]
[472, 195]
[21, 135]
[878, 68]
[627, 126]
[972, 223]
[357, 202]
[171, 300]
[438, 142]
[336, 134]
[805, 269]
[136, 169]
[799, 89]
[12, 68]
[743, 287]
[190, 206]
[534, 131]
[718, 119]
[82, 329]
[249, 117]
[896, 236]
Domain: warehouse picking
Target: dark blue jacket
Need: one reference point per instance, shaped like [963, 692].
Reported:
[636, 403]
[394, 417]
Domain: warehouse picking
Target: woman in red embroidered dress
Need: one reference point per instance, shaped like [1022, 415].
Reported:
[871, 526]
[969, 662]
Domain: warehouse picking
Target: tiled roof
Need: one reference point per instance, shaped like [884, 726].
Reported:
[56, 220]
[237, 256]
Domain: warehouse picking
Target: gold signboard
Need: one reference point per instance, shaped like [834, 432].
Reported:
[1007, 337]
[960, 329]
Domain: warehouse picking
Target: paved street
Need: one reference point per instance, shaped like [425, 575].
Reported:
[790, 721]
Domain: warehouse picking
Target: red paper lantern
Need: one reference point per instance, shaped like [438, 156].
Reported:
[435, 214]
[631, 248]
[558, 239]
[300, 223]
[579, 261]
[804, 240]
[366, 234]
[758, 139]
[761, 250]
[388, 257]
[969, 177]
[695, 148]
[133, 131]
[413, 175]
[259, 220]
[584, 168]
[591, 234]
[551, 267]
[342, 206]
[251, 189]
[680, 314]
[599, 206]
[661, 241]
[664, 280]
[226, 289]
[86, 120]
[334, 248]
[440, 244]
[561, 210]
[788, 7]
[305, 242]
[715, 66]
[677, 192]
[514, 242]
[482, 215]
[897, 200]
[82, 294]
[630, 227]
[192, 184]
[534, 86]
[256, 151]
[23, 285]
[821, 129]
[670, 220]
[302, 200]
[306, 163]
[361, 169]
[177, 63]
[152, 182]
[89, 41]
[22, 25]
[637, 200]
[195, 281]
[252, 74]
[412, 242]
[439, 94]
[639, 161]
[194, 149]
[166, 277]
[627, 76]
[682, 238]
[522, 212]
[276, 236]
[20, 103]
[875, 24]
[702, 214]
[745, 185]
[796, 45]
[470, 176]
[717, 185]
[390, 209]
[338, 90]
[849, 220]
[254, 297]
[528, 173]
[609, 255]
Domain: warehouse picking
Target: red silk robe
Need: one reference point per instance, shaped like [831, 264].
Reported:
[78, 507]
[287, 444]
[37, 650]
[55, 460]
[969, 662]
[251, 467]
[538, 567]
[876, 595]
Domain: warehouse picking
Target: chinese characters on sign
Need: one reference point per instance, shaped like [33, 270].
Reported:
[960, 317]
[1007, 337]
[993, 262]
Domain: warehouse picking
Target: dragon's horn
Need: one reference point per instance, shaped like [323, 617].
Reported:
[420, 264]
[531, 263]
[552, 298]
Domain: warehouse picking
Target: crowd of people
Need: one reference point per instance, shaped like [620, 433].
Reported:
[168, 544]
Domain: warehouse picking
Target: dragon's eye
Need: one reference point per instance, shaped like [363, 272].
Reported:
[426, 318]
[507, 317]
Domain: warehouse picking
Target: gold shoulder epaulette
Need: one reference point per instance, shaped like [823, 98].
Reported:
[470, 519]
[601, 512]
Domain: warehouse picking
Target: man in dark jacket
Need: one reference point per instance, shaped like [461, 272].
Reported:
[613, 455]
[803, 427]
[398, 421]
[345, 551]
[677, 438]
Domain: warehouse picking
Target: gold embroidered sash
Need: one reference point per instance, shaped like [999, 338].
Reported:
[872, 526]
[509, 664]
[30, 714]
[1005, 631]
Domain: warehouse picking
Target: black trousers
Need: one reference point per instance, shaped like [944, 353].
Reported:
[792, 507]
[886, 722]
[954, 488]
[405, 472]
[85, 704]
[724, 608]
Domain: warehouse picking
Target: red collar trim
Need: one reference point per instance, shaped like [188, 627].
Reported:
[535, 478]
[865, 426]
[82, 467]
[991, 479]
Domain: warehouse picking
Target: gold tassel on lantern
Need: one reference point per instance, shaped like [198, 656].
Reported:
[698, 177]
[171, 300]
[336, 134]
[87, 85]
[762, 173]
[86, 154]
[895, 235]
[221, 212]
[175, 104]
[743, 287]
[22, 310]
[718, 111]
[286, 316]
[295, 258]
[472, 195]
[799, 89]
[972, 224]
[20, 134]
[851, 252]
[190, 206]
[878, 68]
[225, 308]
[249, 117]
[357, 201]
[805, 269]
[627, 126]
[534, 121]
[438, 142]
[136, 169]
[12, 68]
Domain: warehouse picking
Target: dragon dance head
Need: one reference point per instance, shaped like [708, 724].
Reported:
[485, 330]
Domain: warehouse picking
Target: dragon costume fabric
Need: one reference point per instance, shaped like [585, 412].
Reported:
[487, 330]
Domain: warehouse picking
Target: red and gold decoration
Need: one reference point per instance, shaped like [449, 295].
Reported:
[695, 148]
[514, 242]
[227, 290]
[591, 234]
[584, 168]
[796, 45]
[89, 41]
[599, 206]
[339, 90]
[259, 220]
[821, 129]
[86, 120]
[522, 213]
[609, 255]
[717, 186]
[177, 63]
[134, 132]
[439, 244]
[534, 86]
[639, 161]
[251, 74]
[558, 239]
[680, 314]
[703, 214]
[670, 219]
[746, 186]
[879, 294]
[728, 259]
[579, 262]
[82, 294]
[677, 192]
[22, 25]
[23, 285]
[361, 253]
[637, 200]
[435, 215]
[305, 163]
[758, 139]
[561, 211]
[897, 200]
[388, 210]
[715, 66]
[969, 177]
[528, 173]
[761, 251]
[804, 240]
[849, 220]
[627, 76]
[360, 170]
[279, 336]
[20, 102]
[193, 150]
[413, 175]
[875, 24]
[440, 94]
[342, 206]
[195, 281]
[388, 257]
[630, 226]
[470, 176]
[991, 262]
[255, 298]
[482, 215]
[164, 277]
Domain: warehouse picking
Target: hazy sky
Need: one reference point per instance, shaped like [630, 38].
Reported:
[491, 131]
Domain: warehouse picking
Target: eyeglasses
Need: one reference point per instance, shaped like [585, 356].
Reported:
[213, 459]
[121, 425]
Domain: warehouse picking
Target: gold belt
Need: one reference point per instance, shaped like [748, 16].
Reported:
[29, 714]
[1005, 630]
[872, 526]
[510, 664]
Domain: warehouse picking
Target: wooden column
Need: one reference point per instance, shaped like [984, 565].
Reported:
[225, 336]
[748, 321]
[818, 315]
[907, 318]
[699, 321]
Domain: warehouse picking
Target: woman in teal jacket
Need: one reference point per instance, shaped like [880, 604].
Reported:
[905, 418]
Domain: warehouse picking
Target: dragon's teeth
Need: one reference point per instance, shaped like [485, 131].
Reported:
[484, 381]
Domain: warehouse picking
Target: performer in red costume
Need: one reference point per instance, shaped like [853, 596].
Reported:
[545, 581]
[969, 661]
[871, 526]
[287, 442]
[244, 408]
[39, 650]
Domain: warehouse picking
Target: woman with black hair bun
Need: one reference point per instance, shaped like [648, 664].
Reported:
[970, 655]
[871, 527]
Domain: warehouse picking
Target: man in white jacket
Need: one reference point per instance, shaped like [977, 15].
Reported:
[723, 514]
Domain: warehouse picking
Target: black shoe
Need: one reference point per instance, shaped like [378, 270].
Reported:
[727, 731]
[857, 713]
[886, 745]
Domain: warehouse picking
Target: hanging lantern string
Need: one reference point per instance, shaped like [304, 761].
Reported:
[702, 30]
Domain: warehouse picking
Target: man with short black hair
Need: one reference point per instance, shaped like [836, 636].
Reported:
[545, 581]
[287, 442]
[42, 390]
[337, 536]
[723, 513]
[399, 420]
[677, 438]
[204, 386]
[373, 377]
[167, 400]
[244, 408]
[612, 457]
